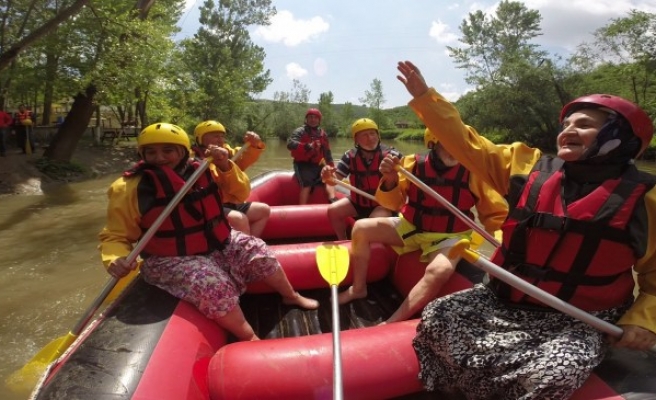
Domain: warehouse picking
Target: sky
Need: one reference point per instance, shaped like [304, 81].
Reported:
[343, 45]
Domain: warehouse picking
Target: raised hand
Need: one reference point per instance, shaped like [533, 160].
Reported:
[252, 138]
[412, 79]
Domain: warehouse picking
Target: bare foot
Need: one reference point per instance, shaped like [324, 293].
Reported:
[349, 295]
[303, 302]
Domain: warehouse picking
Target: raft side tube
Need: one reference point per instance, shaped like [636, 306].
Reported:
[377, 362]
[300, 265]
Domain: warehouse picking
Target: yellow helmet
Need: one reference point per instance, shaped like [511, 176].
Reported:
[207, 127]
[361, 125]
[429, 137]
[162, 132]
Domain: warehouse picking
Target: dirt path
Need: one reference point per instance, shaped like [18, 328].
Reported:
[20, 176]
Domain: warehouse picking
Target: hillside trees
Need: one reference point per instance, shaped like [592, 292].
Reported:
[621, 59]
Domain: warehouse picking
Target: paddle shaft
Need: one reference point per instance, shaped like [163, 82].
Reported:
[539, 294]
[82, 322]
[356, 190]
[338, 392]
[464, 218]
[239, 152]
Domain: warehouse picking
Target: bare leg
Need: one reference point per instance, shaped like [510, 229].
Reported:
[365, 232]
[305, 195]
[439, 270]
[239, 222]
[258, 215]
[330, 191]
[337, 214]
[235, 323]
[279, 282]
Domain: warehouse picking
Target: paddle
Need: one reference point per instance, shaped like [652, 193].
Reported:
[333, 263]
[354, 189]
[26, 378]
[461, 249]
[239, 152]
[464, 218]
[28, 145]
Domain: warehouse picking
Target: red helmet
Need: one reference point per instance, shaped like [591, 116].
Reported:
[313, 111]
[640, 122]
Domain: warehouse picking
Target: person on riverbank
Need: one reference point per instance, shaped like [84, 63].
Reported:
[310, 150]
[6, 122]
[23, 121]
[360, 164]
[424, 223]
[195, 255]
[579, 223]
[248, 217]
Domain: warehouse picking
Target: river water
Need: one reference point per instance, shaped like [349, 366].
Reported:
[50, 269]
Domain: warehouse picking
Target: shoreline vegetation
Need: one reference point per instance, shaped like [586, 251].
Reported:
[22, 174]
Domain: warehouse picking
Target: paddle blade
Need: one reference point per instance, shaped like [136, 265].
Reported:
[333, 262]
[26, 378]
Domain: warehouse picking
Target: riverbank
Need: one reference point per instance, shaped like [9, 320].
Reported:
[19, 174]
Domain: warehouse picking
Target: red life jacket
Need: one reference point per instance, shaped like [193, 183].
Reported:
[196, 226]
[308, 136]
[581, 252]
[366, 176]
[426, 213]
[23, 116]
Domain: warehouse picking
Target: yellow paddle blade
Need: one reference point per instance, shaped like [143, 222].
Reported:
[24, 380]
[333, 262]
[120, 286]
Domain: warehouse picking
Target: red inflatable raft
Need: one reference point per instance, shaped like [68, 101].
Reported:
[149, 345]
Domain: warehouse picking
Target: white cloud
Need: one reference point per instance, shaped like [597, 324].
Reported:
[449, 91]
[568, 23]
[188, 4]
[441, 33]
[290, 31]
[320, 67]
[295, 71]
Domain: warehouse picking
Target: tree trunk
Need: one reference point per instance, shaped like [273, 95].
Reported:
[63, 144]
[51, 74]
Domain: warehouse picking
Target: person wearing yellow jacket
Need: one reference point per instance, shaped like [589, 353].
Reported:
[423, 223]
[195, 255]
[248, 217]
[579, 222]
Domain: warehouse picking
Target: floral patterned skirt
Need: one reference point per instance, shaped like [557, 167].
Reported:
[471, 342]
[213, 282]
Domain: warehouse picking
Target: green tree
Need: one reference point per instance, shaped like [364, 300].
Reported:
[289, 109]
[111, 50]
[328, 121]
[223, 62]
[374, 98]
[348, 117]
[514, 79]
[622, 59]
[495, 44]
